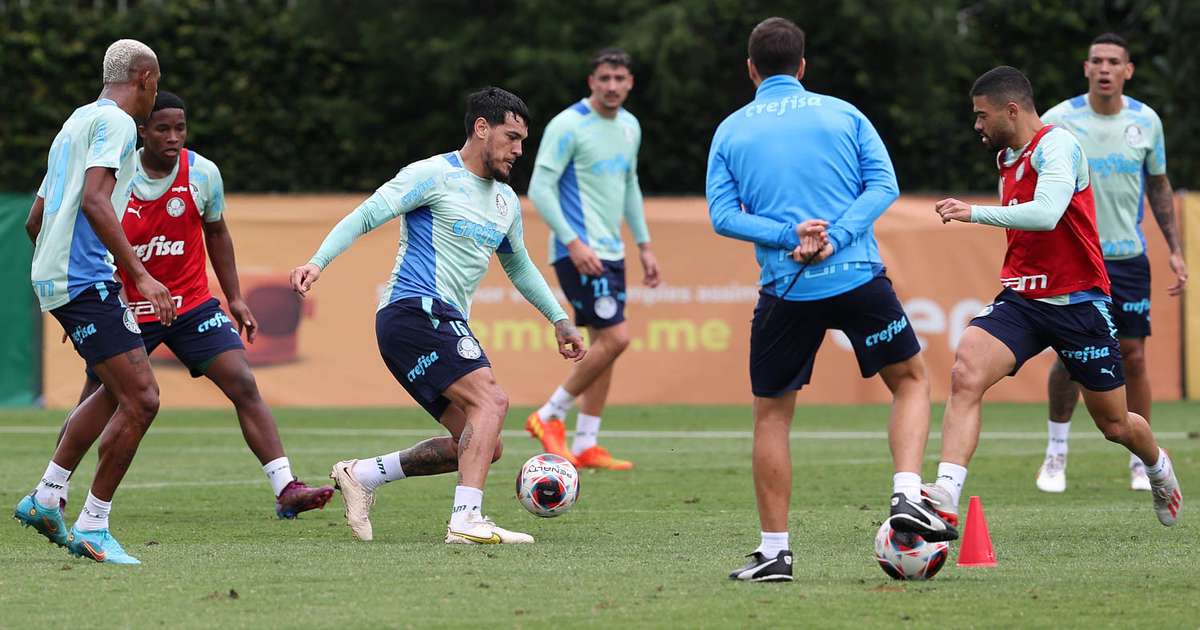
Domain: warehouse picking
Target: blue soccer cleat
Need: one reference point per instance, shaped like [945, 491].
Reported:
[98, 545]
[47, 521]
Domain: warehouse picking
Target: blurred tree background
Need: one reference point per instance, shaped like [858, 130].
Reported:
[337, 95]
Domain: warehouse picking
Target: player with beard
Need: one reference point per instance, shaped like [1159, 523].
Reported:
[1056, 291]
[457, 211]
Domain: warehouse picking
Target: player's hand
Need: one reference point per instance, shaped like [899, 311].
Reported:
[1179, 268]
[244, 318]
[570, 342]
[158, 296]
[813, 238]
[584, 259]
[953, 210]
[303, 278]
[649, 266]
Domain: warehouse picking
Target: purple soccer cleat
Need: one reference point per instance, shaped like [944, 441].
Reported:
[298, 497]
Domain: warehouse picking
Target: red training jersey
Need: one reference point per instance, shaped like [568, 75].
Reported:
[167, 236]
[1060, 261]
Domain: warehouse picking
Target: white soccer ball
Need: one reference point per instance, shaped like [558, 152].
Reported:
[906, 556]
[547, 485]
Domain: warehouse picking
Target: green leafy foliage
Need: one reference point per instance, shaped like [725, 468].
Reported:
[319, 95]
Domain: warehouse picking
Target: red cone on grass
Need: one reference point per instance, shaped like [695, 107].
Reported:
[976, 549]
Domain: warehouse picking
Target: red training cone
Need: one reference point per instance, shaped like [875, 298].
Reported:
[976, 549]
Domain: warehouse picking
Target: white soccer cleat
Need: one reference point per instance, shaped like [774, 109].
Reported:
[356, 498]
[480, 530]
[1168, 499]
[1138, 479]
[1052, 476]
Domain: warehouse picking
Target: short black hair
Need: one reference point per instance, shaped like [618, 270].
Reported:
[493, 104]
[1004, 84]
[613, 56]
[776, 47]
[167, 100]
[1114, 39]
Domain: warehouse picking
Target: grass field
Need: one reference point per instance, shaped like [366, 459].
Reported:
[651, 547]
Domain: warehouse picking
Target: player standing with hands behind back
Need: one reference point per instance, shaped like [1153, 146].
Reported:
[585, 181]
[804, 176]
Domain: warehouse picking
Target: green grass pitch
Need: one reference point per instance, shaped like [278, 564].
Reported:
[647, 548]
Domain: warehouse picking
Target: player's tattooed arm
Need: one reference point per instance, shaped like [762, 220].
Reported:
[570, 342]
[1162, 203]
[434, 456]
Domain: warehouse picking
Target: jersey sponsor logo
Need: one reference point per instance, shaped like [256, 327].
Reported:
[82, 332]
[616, 165]
[486, 235]
[469, 349]
[146, 308]
[130, 321]
[782, 106]
[1086, 354]
[179, 189]
[1141, 307]
[423, 364]
[605, 307]
[501, 205]
[216, 321]
[175, 207]
[1026, 283]
[1114, 164]
[411, 197]
[158, 246]
[887, 334]
[1133, 135]
[1123, 247]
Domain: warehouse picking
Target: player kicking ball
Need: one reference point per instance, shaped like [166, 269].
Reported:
[174, 214]
[584, 183]
[457, 211]
[1056, 291]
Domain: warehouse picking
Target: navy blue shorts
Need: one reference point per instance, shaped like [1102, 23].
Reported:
[428, 346]
[1130, 295]
[785, 335]
[195, 338]
[99, 324]
[1082, 334]
[598, 302]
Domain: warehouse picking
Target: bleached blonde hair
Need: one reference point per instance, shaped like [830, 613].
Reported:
[122, 57]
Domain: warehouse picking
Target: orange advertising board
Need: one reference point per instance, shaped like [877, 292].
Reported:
[690, 335]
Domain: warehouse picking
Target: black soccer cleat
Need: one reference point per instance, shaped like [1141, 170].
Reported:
[920, 518]
[762, 569]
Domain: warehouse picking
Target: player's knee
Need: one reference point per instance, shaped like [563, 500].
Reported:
[1133, 360]
[142, 403]
[496, 402]
[1114, 429]
[965, 379]
[242, 389]
[618, 340]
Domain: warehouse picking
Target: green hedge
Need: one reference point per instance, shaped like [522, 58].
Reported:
[313, 96]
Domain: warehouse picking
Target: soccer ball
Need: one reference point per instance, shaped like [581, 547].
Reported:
[547, 485]
[907, 556]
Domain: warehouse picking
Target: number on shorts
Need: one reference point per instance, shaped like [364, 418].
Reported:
[460, 329]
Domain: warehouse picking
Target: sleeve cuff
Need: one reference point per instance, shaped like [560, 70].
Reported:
[840, 237]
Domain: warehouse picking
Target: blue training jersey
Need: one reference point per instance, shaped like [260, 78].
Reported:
[791, 155]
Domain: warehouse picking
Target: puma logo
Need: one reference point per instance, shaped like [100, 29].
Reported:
[1108, 372]
[134, 211]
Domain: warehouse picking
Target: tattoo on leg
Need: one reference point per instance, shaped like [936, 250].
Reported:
[434, 456]
[463, 441]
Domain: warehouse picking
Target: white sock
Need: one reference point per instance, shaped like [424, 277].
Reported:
[279, 473]
[951, 477]
[466, 501]
[53, 486]
[1160, 471]
[557, 407]
[772, 544]
[1134, 461]
[1057, 444]
[586, 429]
[909, 483]
[94, 514]
[377, 471]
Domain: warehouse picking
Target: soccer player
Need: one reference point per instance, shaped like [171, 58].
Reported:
[804, 176]
[80, 204]
[1056, 291]
[457, 211]
[174, 214]
[1124, 141]
[584, 182]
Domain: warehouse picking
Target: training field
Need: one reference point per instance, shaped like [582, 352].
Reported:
[651, 547]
